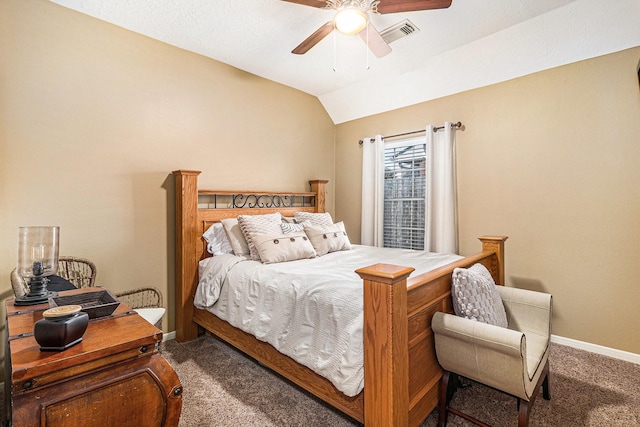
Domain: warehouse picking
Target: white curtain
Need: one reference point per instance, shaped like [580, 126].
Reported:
[371, 225]
[442, 205]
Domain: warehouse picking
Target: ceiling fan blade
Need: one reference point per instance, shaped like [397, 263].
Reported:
[395, 6]
[313, 3]
[376, 43]
[313, 39]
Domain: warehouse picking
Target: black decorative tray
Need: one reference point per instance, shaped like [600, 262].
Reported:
[95, 304]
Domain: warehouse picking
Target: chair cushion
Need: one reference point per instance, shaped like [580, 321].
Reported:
[151, 315]
[475, 296]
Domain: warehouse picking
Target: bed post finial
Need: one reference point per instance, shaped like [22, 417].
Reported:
[319, 186]
[495, 244]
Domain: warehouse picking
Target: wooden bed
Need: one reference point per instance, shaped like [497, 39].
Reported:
[401, 372]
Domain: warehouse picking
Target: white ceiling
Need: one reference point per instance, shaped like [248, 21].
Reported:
[471, 44]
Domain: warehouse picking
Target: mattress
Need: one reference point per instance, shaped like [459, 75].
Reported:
[310, 310]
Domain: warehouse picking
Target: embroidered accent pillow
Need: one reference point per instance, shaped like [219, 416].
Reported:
[314, 218]
[259, 224]
[475, 296]
[329, 238]
[235, 236]
[288, 227]
[274, 248]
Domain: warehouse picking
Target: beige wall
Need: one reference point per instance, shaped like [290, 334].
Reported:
[93, 119]
[551, 160]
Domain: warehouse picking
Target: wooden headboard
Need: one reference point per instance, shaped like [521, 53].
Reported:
[197, 210]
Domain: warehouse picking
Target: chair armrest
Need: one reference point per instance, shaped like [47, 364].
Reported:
[527, 311]
[489, 354]
[496, 338]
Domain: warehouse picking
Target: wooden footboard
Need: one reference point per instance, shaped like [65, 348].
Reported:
[401, 370]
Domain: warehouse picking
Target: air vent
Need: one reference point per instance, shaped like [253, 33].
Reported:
[398, 31]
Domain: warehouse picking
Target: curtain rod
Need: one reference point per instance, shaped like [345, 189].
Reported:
[435, 129]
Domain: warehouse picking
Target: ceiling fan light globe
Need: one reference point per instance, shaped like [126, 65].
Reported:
[350, 20]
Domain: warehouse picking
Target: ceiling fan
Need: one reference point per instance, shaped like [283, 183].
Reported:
[352, 17]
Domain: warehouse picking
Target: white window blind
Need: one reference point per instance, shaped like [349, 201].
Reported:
[404, 194]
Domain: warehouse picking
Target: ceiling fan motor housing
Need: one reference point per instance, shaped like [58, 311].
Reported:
[359, 19]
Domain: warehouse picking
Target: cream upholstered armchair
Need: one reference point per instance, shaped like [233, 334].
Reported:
[514, 359]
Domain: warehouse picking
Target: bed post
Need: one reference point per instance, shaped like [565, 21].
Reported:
[319, 186]
[495, 244]
[186, 269]
[386, 343]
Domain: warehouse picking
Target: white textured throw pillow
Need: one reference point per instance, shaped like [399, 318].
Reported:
[475, 296]
[329, 238]
[314, 218]
[259, 224]
[283, 247]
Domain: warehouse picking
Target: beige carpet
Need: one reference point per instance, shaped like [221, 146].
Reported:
[222, 387]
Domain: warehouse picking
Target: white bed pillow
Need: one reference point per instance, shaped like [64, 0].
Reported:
[314, 218]
[274, 248]
[235, 236]
[259, 224]
[328, 238]
[475, 296]
[217, 241]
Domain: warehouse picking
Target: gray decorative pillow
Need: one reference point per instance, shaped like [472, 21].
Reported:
[475, 296]
[329, 238]
[259, 224]
[283, 247]
[314, 218]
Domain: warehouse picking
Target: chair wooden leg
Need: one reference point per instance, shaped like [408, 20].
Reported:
[444, 398]
[523, 413]
[546, 394]
[450, 382]
[525, 406]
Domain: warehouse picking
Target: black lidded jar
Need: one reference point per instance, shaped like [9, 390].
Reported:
[60, 327]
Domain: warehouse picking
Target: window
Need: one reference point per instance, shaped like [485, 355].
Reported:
[404, 194]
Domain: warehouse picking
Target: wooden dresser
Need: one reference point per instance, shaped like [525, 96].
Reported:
[114, 377]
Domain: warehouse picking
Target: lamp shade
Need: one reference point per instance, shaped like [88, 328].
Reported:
[38, 251]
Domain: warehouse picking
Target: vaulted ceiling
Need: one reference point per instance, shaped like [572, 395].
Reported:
[470, 44]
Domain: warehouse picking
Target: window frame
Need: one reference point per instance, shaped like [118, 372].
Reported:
[403, 232]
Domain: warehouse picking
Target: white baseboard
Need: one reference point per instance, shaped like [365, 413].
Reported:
[168, 336]
[599, 349]
[581, 345]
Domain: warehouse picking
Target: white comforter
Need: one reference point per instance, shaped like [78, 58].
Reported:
[310, 310]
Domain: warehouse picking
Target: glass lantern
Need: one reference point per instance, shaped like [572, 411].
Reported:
[37, 259]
